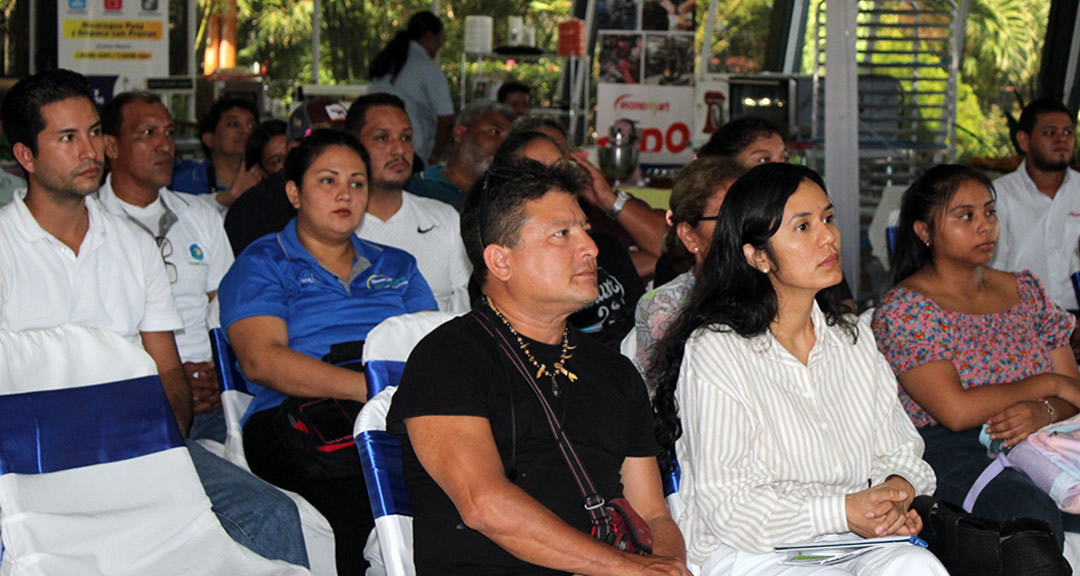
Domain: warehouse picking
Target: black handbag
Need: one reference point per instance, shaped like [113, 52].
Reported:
[969, 545]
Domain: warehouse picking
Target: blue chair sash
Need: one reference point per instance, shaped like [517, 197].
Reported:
[380, 457]
[225, 363]
[671, 481]
[54, 430]
[381, 374]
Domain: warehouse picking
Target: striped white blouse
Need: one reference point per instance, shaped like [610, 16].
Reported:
[770, 446]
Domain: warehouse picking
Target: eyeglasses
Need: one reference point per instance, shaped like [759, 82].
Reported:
[166, 251]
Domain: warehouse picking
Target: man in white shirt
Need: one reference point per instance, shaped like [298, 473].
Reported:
[140, 148]
[65, 260]
[1038, 205]
[428, 229]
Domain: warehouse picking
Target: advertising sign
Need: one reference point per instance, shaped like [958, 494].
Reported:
[122, 40]
[662, 115]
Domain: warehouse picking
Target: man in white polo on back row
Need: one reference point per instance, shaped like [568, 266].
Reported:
[426, 228]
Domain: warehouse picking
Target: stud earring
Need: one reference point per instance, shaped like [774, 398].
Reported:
[765, 270]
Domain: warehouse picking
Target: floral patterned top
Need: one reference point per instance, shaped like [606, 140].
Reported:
[656, 312]
[985, 348]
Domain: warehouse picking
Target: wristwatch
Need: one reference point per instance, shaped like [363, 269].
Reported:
[621, 198]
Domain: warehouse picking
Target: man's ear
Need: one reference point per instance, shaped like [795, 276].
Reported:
[1023, 139]
[207, 139]
[459, 133]
[497, 260]
[112, 147]
[24, 156]
[293, 192]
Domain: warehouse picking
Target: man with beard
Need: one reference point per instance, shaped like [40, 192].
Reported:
[480, 128]
[1038, 205]
[426, 228]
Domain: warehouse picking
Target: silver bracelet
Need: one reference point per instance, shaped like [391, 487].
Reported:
[621, 198]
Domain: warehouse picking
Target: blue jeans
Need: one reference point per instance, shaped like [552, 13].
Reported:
[209, 426]
[254, 513]
[957, 458]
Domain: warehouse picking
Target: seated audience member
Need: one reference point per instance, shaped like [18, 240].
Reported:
[635, 224]
[973, 345]
[1039, 203]
[139, 145]
[516, 96]
[782, 412]
[747, 141]
[224, 132]
[426, 228]
[480, 128]
[695, 206]
[10, 180]
[267, 146]
[490, 490]
[265, 208]
[611, 315]
[65, 259]
[304, 294]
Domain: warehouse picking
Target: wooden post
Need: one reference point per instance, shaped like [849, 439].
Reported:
[227, 57]
[213, 41]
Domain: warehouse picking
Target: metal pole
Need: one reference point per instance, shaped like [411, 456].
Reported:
[316, 40]
[33, 38]
[192, 14]
[842, 130]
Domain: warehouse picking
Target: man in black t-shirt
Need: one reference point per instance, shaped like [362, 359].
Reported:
[490, 490]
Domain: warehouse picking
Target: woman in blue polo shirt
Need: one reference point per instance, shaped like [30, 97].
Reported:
[287, 300]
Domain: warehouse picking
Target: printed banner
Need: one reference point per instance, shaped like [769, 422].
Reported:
[124, 39]
[662, 116]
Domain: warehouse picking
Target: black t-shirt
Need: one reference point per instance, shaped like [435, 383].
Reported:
[263, 209]
[459, 370]
[610, 317]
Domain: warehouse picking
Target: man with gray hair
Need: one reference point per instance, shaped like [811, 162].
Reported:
[481, 127]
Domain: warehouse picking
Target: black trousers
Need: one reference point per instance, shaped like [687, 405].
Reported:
[343, 501]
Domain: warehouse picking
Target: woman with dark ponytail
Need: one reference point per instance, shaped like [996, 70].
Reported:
[974, 348]
[409, 67]
[782, 412]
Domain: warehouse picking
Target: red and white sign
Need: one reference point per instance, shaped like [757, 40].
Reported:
[663, 116]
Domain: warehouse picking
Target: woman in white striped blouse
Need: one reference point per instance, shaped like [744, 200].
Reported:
[790, 426]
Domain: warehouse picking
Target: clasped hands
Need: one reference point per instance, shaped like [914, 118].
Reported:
[883, 510]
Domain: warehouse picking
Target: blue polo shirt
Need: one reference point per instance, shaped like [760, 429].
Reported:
[277, 276]
[432, 184]
[192, 176]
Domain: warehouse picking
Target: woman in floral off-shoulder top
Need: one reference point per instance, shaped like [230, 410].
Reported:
[972, 345]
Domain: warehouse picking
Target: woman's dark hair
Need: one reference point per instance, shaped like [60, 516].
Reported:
[259, 138]
[732, 295]
[300, 158]
[510, 150]
[924, 201]
[695, 185]
[393, 57]
[732, 138]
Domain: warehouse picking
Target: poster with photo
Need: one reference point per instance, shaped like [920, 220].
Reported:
[620, 58]
[669, 59]
[617, 14]
[668, 15]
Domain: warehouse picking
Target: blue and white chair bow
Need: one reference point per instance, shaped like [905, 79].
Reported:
[94, 475]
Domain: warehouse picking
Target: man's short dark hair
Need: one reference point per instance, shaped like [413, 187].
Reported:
[509, 88]
[1032, 111]
[22, 107]
[112, 115]
[732, 138]
[209, 122]
[356, 118]
[494, 209]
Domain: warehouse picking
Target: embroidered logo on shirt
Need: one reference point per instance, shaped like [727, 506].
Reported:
[196, 252]
[383, 282]
[308, 277]
[425, 230]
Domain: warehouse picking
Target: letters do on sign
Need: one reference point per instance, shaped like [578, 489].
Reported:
[663, 115]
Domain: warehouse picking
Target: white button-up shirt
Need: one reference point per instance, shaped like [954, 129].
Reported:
[770, 447]
[117, 281]
[1039, 233]
[201, 255]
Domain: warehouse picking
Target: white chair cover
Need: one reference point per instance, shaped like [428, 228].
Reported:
[119, 496]
[318, 536]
